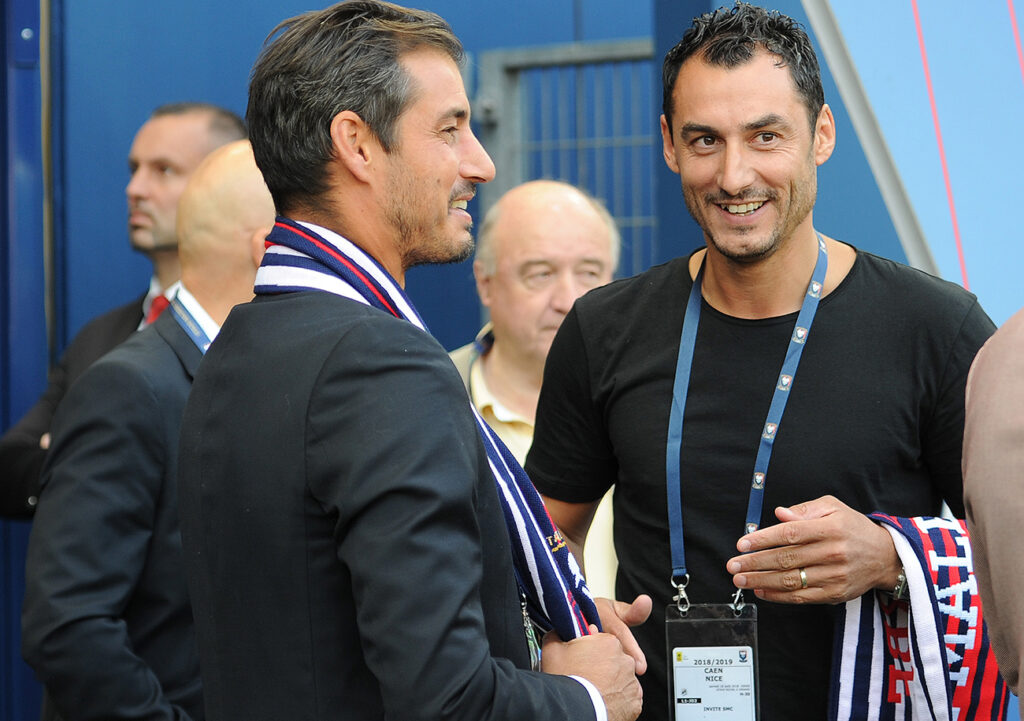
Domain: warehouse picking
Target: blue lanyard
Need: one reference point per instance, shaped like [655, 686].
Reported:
[687, 344]
[190, 325]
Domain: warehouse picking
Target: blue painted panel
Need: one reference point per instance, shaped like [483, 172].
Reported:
[122, 58]
[979, 93]
[22, 325]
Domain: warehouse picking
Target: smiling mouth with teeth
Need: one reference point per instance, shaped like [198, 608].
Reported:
[742, 209]
[460, 204]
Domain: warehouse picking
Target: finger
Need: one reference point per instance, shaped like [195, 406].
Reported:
[818, 508]
[782, 581]
[784, 558]
[550, 638]
[810, 596]
[616, 625]
[791, 533]
[633, 614]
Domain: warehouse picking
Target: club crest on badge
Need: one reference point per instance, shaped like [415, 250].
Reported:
[799, 335]
[814, 289]
[758, 480]
[751, 527]
[743, 655]
[769, 431]
[785, 381]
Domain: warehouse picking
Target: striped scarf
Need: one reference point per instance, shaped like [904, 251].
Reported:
[927, 658]
[306, 257]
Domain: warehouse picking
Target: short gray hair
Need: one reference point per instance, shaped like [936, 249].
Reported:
[485, 252]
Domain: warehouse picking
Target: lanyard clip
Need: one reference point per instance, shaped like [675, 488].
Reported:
[680, 599]
[737, 602]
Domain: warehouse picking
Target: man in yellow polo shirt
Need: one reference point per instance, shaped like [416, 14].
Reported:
[541, 246]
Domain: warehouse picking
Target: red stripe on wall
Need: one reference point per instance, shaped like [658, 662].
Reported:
[942, 149]
[1016, 37]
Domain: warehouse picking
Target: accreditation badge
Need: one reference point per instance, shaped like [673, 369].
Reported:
[712, 652]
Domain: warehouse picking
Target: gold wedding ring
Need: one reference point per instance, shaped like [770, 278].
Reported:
[803, 578]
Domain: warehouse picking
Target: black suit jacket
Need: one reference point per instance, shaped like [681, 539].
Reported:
[344, 544]
[21, 458]
[106, 622]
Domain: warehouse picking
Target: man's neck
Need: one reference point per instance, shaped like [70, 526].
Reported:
[166, 267]
[359, 229]
[219, 295]
[512, 381]
[770, 287]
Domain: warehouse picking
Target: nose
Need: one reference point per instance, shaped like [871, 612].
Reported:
[565, 292]
[736, 173]
[476, 164]
[137, 185]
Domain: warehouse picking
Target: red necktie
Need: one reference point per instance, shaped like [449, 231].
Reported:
[158, 306]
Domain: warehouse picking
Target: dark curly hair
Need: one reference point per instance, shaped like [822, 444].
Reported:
[729, 37]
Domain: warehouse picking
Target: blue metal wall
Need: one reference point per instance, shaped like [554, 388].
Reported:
[22, 330]
[121, 58]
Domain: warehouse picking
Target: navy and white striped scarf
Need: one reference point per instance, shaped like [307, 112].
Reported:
[306, 257]
[926, 659]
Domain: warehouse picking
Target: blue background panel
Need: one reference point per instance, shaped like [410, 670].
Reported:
[976, 78]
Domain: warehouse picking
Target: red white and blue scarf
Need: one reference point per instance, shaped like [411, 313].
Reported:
[928, 658]
[304, 257]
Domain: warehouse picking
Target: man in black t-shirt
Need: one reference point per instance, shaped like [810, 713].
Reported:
[874, 420]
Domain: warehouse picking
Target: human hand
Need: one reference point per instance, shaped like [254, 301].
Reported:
[617, 617]
[841, 552]
[599, 658]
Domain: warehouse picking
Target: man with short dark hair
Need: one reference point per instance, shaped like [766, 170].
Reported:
[679, 385]
[358, 544]
[165, 151]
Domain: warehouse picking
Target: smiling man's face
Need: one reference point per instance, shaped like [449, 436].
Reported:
[746, 154]
[435, 166]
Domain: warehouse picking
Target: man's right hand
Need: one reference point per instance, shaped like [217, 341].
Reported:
[600, 659]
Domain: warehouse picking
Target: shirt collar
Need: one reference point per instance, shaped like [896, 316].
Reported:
[484, 400]
[208, 324]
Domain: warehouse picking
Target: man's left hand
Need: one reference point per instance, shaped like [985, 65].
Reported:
[617, 617]
[822, 552]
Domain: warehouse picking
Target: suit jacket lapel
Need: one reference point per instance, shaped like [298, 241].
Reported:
[180, 342]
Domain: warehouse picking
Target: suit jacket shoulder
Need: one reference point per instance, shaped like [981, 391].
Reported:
[106, 622]
[21, 458]
[329, 453]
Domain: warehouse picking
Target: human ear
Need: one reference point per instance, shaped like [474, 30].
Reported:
[668, 148]
[824, 135]
[354, 145]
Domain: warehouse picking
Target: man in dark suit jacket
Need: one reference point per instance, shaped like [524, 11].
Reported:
[344, 540]
[165, 151]
[106, 623]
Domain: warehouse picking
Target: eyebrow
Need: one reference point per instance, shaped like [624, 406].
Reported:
[765, 121]
[455, 113]
[694, 128]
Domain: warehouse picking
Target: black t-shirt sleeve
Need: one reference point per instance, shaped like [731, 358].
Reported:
[571, 458]
[944, 429]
